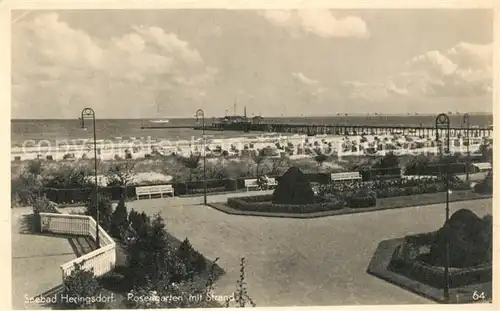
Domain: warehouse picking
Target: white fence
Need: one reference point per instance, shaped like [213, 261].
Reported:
[101, 260]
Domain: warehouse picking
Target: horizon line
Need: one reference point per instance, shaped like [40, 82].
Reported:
[413, 114]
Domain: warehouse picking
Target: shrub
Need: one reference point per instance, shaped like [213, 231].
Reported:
[485, 186]
[25, 189]
[81, 283]
[388, 165]
[42, 205]
[193, 260]
[293, 188]
[119, 220]
[470, 239]
[150, 255]
[69, 177]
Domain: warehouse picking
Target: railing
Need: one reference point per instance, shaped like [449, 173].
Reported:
[101, 260]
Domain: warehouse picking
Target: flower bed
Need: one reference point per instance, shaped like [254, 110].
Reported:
[405, 261]
[263, 203]
[393, 188]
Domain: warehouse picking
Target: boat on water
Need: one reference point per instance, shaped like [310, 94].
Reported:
[159, 121]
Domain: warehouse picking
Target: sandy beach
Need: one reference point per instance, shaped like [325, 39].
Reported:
[340, 145]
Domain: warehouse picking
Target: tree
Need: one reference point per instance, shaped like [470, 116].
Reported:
[276, 164]
[105, 210]
[119, 220]
[35, 168]
[192, 163]
[215, 170]
[81, 283]
[320, 158]
[259, 157]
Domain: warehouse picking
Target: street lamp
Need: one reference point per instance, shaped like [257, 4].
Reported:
[88, 113]
[467, 126]
[201, 115]
[443, 122]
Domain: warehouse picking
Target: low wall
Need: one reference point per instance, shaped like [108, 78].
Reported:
[101, 260]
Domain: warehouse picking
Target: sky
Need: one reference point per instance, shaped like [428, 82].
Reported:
[169, 63]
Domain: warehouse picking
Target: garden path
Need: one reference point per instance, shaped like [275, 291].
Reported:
[301, 262]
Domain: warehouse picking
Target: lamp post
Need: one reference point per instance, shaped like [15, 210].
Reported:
[467, 125]
[443, 122]
[201, 115]
[88, 113]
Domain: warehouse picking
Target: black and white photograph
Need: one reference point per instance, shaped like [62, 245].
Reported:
[251, 157]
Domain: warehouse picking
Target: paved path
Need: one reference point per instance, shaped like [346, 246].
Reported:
[183, 201]
[35, 261]
[303, 262]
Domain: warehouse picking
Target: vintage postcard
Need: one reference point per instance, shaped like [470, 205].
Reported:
[228, 154]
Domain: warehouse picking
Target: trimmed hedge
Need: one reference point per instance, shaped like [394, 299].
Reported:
[434, 276]
[263, 203]
[78, 195]
[361, 198]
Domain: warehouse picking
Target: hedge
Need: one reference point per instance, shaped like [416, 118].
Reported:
[404, 262]
[434, 276]
[263, 203]
[359, 198]
[72, 195]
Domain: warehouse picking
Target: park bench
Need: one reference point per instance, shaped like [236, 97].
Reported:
[482, 167]
[346, 176]
[251, 184]
[150, 191]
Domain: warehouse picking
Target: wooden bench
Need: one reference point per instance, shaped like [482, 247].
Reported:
[346, 176]
[150, 191]
[251, 184]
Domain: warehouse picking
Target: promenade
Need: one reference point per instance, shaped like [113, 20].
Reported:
[36, 261]
[290, 262]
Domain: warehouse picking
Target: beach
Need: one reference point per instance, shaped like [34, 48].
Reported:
[108, 150]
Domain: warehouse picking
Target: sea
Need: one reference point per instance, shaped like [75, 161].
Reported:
[130, 129]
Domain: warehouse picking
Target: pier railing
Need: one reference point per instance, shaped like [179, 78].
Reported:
[101, 260]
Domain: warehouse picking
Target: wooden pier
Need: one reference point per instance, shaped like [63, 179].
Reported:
[347, 130]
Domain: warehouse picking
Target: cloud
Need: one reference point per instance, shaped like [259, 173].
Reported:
[55, 66]
[319, 22]
[463, 71]
[299, 76]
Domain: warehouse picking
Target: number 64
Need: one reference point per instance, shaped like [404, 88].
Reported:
[477, 296]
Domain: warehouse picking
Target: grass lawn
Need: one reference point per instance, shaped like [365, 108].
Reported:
[301, 262]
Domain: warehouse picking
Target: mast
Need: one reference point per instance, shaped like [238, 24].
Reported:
[234, 107]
